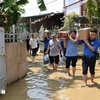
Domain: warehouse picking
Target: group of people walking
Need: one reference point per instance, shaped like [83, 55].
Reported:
[55, 47]
[69, 49]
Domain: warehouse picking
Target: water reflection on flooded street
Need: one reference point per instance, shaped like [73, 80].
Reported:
[41, 87]
[41, 83]
[38, 87]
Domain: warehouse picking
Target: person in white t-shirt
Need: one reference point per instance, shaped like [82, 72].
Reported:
[33, 44]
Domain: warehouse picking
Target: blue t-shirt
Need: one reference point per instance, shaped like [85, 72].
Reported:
[62, 45]
[46, 42]
[71, 49]
[87, 51]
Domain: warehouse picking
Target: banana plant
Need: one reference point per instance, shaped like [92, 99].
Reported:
[10, 13]
[41, 5]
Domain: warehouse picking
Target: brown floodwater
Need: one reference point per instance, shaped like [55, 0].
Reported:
[41, 83]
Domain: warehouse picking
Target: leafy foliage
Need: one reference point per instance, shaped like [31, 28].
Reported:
[11, 12]
[93, 9]
[69, 21]
[41, 5]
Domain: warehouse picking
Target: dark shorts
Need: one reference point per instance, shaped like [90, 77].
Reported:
[45, 50]
[28, 47]
[88, 62]
[54, 59]
[37, 47]
[71, 60]
[34, 51]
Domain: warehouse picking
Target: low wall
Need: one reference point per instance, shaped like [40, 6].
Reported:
[16, 61]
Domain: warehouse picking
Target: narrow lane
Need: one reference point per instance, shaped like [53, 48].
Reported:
[41, 83]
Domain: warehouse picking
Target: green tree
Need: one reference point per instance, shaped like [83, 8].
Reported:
[93, 14]
[93, 10]
[41, 5]
[69, 21]
[98, 8]
[10, 13]
[90, 5]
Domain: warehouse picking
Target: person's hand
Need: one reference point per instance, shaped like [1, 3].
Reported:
[46, 52]
[62, 52]
[86, 41]
[68, 34]
[59, 30]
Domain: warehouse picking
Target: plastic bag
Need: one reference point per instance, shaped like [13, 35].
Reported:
[45, 59]
[62, 60]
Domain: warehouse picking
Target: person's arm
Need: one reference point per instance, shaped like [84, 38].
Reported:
[61, 49]
[90, 47]
[44, 39]
[74, 41]
[47, 50]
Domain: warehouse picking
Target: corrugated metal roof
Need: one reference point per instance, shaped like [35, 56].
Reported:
[42, 15]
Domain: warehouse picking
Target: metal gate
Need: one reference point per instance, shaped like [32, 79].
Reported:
[2, 62]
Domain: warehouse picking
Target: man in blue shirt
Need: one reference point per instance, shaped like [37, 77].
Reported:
[71, 52]
[46, 40]
[89, 58]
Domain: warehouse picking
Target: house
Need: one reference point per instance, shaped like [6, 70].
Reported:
[76, 6]
[49, 21]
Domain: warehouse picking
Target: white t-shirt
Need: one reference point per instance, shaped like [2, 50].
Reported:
[33, 43]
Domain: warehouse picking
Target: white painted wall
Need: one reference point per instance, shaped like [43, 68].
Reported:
[68, 2]
[74, 8]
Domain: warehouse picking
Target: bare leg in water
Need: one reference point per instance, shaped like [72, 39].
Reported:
[85, 79]
[73, 70]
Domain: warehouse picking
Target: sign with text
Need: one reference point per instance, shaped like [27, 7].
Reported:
[3, 91]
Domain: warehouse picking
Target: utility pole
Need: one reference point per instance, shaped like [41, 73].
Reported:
[30, 25]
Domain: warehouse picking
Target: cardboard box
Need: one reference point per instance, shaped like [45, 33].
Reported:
[62, 35]
[84, 33]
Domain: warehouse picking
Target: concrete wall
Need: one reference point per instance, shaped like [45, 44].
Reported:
[16, 62]
[71, 7]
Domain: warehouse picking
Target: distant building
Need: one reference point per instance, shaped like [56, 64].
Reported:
[76, 6]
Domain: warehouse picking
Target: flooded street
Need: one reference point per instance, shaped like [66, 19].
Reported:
[41, 83]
